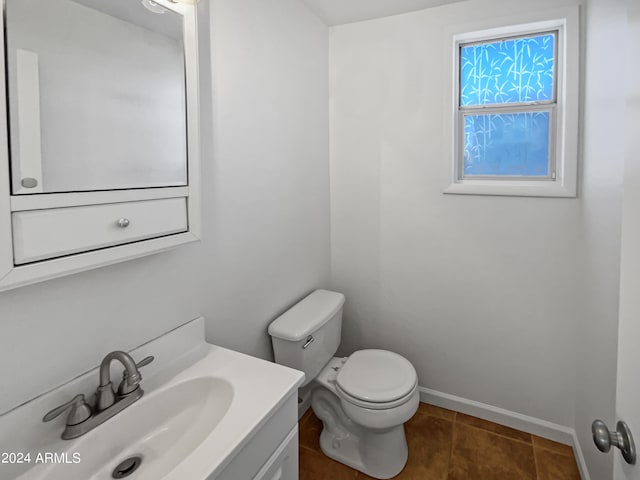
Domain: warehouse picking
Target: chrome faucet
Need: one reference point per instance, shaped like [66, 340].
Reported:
[82, 418]
[105, 395]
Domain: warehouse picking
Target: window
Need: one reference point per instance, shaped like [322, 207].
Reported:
[515, 106]
[506, 106]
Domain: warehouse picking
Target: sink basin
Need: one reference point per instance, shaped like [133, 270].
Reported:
[161, 428]
[204, 407]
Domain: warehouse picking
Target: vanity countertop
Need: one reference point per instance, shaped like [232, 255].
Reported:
[198, 412]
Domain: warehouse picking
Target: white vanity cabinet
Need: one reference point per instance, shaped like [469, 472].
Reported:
[272, 452]
[283, 464]
[99, 146]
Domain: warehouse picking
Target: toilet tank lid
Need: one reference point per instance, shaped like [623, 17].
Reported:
[306, 316]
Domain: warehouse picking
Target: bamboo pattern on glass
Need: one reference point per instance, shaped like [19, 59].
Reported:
[508, 71]
[498, 73]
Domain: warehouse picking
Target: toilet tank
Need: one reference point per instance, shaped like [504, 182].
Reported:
[307, 336]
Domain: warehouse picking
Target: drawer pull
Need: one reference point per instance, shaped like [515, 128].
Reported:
[124, 222]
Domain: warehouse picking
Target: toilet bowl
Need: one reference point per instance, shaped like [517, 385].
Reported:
[364, 428]
[363, 400]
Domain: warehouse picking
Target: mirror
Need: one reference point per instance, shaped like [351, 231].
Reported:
[97, 97]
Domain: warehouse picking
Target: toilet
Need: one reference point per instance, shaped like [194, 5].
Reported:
[363, 400]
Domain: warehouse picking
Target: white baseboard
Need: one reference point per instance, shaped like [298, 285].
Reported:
[582, 464]
[525, 423]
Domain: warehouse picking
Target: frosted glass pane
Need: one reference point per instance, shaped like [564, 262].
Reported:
[515, 144]
[508, 71]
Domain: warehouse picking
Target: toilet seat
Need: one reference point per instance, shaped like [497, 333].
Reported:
[376, 379]
[375, 405]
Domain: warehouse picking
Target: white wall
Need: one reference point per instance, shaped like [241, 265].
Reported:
[489, 297]
[266, 215]
[268, 192]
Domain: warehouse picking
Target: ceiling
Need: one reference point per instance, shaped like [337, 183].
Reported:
[336, 12]
[168, 23]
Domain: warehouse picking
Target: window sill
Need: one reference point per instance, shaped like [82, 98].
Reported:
[516, 188]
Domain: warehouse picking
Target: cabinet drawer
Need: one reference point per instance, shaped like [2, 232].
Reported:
[283, 464]
[42, 234]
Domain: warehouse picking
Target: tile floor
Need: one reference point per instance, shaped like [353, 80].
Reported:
[446, 445]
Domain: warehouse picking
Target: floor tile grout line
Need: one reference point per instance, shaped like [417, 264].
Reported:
[535, 462]
[425, 414]
[531, 435]
[569, 455]
[453, 441]
[498, 434]
[455, 420]
[311, 449]
[557, 451]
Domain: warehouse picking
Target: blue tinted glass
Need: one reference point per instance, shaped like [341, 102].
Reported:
[507, 71]
[514, 144]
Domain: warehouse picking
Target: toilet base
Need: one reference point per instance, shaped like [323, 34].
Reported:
[376, 459]
[380, 454]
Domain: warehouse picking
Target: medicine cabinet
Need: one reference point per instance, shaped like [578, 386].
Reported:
[99, 145]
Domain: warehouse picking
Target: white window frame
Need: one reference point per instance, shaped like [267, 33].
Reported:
[564, 112]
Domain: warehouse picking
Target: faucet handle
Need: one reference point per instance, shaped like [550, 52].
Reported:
[125, 388]
[79, 412]
[145, 361]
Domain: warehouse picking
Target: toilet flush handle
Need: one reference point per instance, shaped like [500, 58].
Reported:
[308, 342]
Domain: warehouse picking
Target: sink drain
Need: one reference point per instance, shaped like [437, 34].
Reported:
[127, 467]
